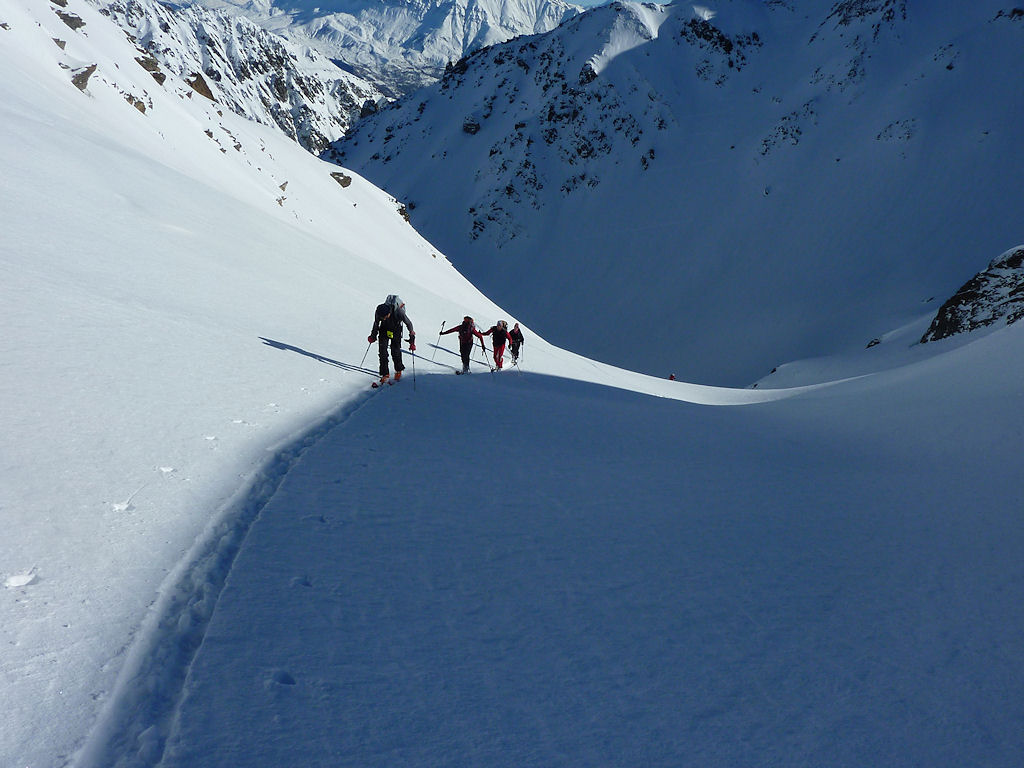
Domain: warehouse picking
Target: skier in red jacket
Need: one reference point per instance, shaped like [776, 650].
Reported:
[467, 330]
[499, 337]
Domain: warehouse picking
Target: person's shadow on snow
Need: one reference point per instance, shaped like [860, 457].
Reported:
[318, 358]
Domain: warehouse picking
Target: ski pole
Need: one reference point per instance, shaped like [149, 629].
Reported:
[413, 372]
[438, 341]
[365, 354]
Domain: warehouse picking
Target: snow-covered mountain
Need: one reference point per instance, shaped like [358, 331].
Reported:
[400, 45]
[716, 167]
[242, 67]
[220, 549]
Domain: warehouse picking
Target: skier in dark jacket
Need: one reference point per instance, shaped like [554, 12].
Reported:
[467, 330]
[515, 340]
[499, 337]
[387, 327]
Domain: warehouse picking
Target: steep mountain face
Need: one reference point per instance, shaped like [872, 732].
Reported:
[401, 45]
[994, 294]
[248, 70]
[715, 165]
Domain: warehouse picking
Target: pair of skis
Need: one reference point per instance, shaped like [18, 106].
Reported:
[457, 370]
[392, 380]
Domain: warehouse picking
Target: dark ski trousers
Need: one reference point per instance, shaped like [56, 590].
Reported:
[466, 348]
[396, 352]
[514, 349]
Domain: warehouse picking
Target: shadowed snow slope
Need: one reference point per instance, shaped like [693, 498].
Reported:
[512, 570]
[214, 538]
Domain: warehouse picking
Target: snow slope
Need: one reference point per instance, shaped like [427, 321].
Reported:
[204, 508]
[513, 570]
[155, 266]
[769, 181]
[144, 256]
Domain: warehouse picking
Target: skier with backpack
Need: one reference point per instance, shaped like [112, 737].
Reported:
[515, 340]
[499, 337]
[388, 319]
[466, 330]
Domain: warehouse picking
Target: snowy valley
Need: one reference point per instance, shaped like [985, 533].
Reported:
[801, 177]
[222, 548]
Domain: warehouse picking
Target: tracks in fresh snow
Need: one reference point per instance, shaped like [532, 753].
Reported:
[132, 729]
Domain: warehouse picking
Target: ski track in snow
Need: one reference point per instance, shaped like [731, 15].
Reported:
[131, 731]
[709, 623]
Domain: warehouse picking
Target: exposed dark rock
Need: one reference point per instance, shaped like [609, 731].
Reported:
[995, 294]
[73, 21]
[81, 76]
[369, 108]
[136, 102]
[152, 66]
[341, 178]
[200, 86]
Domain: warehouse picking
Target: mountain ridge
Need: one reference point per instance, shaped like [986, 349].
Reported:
[254, 73]
[745, 154]
[401, 45]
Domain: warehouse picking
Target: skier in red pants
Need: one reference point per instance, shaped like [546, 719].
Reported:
[499, 337]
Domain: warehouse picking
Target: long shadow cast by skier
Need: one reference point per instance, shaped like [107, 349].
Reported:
[318, 358]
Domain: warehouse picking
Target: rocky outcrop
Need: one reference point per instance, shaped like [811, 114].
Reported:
[993, 295]
[80, 77]
[239, 65]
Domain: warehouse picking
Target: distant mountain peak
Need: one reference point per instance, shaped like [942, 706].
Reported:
[401, 45]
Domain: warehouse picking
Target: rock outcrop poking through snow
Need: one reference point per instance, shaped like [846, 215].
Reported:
[994, 294]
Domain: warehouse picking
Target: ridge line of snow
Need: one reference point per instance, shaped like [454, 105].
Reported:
[699, 394]
[132, 728]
